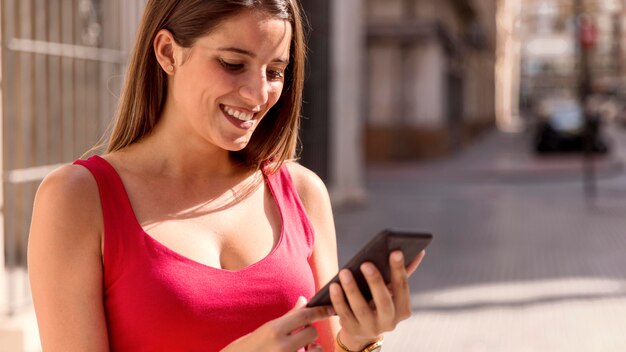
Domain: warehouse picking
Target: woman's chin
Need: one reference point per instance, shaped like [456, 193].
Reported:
[233, 142]
[237, 145]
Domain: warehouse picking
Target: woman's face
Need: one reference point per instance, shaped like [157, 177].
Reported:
[230, 78]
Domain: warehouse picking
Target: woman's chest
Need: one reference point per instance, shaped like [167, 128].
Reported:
[174, 304]
[229, 237]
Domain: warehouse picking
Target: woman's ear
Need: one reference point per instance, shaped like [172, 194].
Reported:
[164, 49]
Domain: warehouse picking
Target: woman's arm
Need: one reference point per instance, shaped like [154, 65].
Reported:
[314, 196]
[65, 262]
[359, 322]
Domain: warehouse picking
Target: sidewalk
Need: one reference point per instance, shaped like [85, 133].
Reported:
[520, 260]
[501, 157]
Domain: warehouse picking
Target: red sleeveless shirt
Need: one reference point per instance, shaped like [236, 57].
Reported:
[158, 300]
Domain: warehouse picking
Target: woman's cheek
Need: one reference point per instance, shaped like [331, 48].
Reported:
[275, 94]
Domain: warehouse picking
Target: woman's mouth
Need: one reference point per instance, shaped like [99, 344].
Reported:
[239, 118]
[239, 115]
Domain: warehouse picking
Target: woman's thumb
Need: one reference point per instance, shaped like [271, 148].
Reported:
[301, 302]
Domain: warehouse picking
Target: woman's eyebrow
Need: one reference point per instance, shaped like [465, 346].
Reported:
[238, 51]
[251, 54]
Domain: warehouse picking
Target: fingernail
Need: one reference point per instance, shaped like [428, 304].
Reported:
[367, 268]
[397, 256]
[345, 276]
[334, 289]
[301, 300]
[330, 310]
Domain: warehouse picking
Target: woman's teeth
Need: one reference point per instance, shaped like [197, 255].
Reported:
[238, 114]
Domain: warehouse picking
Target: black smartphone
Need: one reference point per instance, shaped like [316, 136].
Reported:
[377, 251]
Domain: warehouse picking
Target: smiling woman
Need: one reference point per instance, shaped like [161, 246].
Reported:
[185, 22]
[243, 63]
[197, 230]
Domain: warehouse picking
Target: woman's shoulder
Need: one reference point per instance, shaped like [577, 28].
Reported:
[71, 193]
[310, 187]
[71, 181]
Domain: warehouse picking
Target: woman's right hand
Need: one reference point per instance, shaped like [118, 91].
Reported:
[289, 333]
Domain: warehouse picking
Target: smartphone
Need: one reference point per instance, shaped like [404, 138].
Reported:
[377, 251]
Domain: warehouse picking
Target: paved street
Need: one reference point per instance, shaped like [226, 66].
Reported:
[520, 260]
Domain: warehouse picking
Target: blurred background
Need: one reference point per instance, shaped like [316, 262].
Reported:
[496, 124]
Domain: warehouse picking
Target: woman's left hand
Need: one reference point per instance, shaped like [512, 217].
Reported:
[361, 322]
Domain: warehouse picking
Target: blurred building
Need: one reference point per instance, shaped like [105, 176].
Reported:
[549, 53]
[430, 76]
[540, 52]
[394, 80]
[62, 68]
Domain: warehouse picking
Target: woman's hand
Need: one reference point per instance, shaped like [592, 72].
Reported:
[361, 322]
[288, 333]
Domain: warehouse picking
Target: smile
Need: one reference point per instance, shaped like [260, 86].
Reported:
[239, 115]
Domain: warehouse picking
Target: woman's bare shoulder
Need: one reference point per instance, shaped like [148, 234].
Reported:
[67, 198]
[310, 187]
[69, 182]
[314, 197]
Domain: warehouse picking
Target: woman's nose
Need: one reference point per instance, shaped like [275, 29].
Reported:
[255, 90]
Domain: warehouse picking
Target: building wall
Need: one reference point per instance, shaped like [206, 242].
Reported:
[413, 107]
[346, 181]
[480, 97]
[62, 68]
[382, 95]
[427, 86]
[382, 11]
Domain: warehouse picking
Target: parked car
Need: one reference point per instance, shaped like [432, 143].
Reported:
[563, 127]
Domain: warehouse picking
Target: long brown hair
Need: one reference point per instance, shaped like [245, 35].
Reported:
[145, 87]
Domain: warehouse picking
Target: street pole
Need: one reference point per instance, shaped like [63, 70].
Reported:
[402, 125]
[584, 90]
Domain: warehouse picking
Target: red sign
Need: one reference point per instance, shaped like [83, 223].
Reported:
[588, 34]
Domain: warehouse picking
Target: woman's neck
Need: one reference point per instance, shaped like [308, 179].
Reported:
[184, 158]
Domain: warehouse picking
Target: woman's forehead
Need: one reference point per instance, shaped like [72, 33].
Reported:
[251, 32]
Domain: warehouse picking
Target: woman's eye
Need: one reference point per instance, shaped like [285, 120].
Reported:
[231, 66]
[275, 74]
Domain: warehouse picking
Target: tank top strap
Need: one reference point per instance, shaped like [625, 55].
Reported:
[117, 212]
[297, 226]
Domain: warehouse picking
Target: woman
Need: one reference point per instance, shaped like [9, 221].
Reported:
[195, 231]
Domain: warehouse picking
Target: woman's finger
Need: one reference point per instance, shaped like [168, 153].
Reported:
[382, 299]
[359, 306]
[400, 286]
[293, 330]
[300, 316]
[301, 338]
[340, 305]
[301, 302]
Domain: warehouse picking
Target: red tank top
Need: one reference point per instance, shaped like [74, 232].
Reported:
[158, 300]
